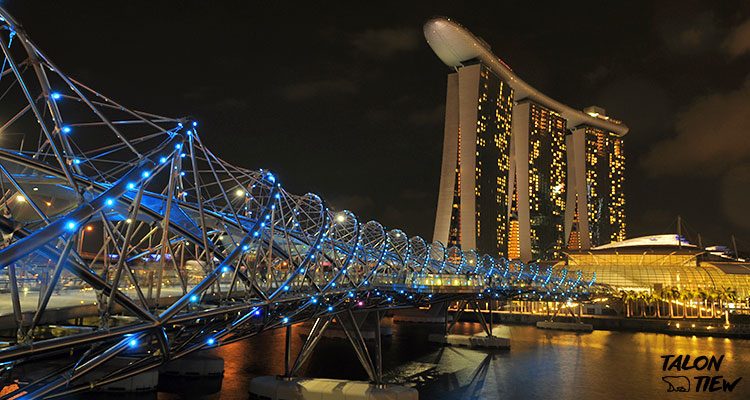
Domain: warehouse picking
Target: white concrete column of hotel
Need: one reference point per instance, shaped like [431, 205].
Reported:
[448, 169]
[468, 100]
[570, 190]
[576, 147]
[520, 158]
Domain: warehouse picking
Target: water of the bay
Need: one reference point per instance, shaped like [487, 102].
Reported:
[541, 365]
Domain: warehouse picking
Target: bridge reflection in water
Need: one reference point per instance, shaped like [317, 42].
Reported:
[125, 218]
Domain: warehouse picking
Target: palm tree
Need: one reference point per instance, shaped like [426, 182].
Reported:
[627, 297]
[655, 298]
[666, 295]
[631, 298]
[685, 296]
[702, 295]
[727, 295]
[675, 294]
[640, 303]
[713, 295]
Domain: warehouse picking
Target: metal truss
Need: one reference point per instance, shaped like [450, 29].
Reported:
[122, 226]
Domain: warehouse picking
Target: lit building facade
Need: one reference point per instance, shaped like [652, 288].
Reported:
[473, 199]
[509, 184]
[658, 263]
[539, 170]
[596, 167]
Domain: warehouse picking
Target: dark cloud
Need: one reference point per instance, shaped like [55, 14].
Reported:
[642, 104]
[317, 88]
[691, 34]
[387, 42]
[735, 195]
[738, 41]
[712, 134]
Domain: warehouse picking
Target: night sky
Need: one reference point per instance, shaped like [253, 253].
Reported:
[347, 99]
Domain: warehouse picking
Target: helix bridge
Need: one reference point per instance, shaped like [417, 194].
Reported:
[124, 235]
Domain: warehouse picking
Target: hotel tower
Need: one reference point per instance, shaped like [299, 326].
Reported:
[523, 176]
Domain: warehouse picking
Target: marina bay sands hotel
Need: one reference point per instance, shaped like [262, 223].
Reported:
[523, 176]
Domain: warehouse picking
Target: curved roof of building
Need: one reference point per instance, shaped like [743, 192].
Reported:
[455, 45]
[668, 240]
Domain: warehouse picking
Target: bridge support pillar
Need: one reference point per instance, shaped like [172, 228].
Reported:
[291, 387]
[577, 325]
[492, 337]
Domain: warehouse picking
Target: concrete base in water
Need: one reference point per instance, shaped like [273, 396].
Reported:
[275, 388]
[565, 326]
[500, 339]
[195, 365]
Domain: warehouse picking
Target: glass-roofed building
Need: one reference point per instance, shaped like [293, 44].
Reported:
[660, 262]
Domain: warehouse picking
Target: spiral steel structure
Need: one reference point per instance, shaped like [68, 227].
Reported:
[123, 222]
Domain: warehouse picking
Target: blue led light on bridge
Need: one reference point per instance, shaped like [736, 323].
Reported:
[70, 225]
[285, 320]
[66, 129]
[76, 161]
[55, 96]
[286, 288]
[210, 341]
[225, 269]
[195, 123]
[330, 308]
[133, 343]
[131, 186]
[178, 146]
[194, 298]
[145, 174]
[314, 300]
[256, 312]
[162, 160]
[109, 202]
